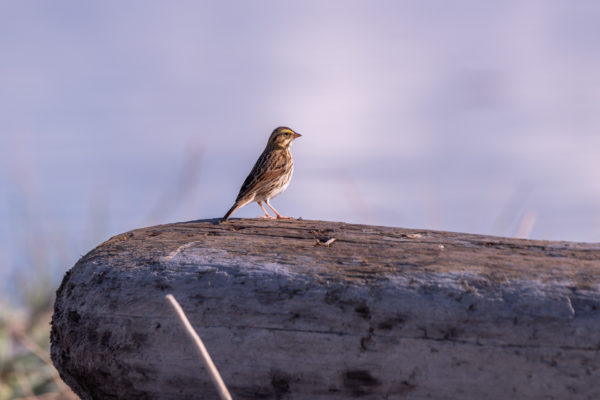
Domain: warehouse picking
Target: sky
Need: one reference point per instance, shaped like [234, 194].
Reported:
[470, 116]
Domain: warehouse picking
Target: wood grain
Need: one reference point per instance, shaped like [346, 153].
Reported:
[379, 313]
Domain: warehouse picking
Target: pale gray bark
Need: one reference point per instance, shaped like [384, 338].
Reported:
[380, 313]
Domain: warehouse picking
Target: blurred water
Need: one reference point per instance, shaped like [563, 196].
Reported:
[463, 116]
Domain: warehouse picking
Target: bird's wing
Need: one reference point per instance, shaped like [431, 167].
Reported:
[269, 166]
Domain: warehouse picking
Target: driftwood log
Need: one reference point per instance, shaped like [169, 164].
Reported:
[287, 313]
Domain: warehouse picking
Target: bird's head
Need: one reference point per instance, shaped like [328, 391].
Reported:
[282, 137]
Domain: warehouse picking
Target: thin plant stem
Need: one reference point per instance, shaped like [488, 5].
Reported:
[34, 348]
[208, 363]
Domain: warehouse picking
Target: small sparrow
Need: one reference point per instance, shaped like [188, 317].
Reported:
[271, 174]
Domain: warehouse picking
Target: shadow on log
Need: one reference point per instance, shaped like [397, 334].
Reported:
[378, 313]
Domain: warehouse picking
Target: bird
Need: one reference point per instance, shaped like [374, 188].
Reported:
[270, 175]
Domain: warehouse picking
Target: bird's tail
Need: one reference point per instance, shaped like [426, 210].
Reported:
[231, 211]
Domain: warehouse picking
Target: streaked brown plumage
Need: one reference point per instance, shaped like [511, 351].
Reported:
[271, 174]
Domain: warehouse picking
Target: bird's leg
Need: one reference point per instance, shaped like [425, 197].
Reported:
[279, 216]
[265, 211]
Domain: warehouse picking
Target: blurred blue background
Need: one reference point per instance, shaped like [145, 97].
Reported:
[468, 116]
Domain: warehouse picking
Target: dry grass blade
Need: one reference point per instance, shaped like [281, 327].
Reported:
[326, 243]
[30, 344]
[526, 226]
[21, 375]
[20, 335]
[208, 363]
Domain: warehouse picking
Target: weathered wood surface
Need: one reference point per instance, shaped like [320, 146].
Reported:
[382, 313]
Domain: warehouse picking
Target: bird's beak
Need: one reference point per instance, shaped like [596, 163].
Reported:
[296, 135]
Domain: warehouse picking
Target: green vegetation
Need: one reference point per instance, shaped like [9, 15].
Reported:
[26, 371]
